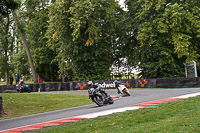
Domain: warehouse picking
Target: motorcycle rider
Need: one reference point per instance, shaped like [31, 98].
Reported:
[117, 83]
[91, 85]
[96, 86]
[100, 97]
[22, 86]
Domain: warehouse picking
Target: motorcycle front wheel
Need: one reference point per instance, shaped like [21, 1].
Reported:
[98, 100]
[110, 100]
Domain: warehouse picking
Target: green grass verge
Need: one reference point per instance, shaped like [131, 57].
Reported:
[22, 104]
[181, 116]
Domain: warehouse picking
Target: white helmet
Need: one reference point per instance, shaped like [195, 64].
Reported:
[90, 83]
[116, 82]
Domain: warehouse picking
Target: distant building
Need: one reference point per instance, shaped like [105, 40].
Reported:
[123, 68]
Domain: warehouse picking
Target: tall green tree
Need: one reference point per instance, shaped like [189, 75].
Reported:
[83, 33]
[164, 34]
[5, 36]
[26, 46]
[6, 6]
[37, 16]
[4, 41]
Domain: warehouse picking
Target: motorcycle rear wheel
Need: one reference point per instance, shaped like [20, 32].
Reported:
[128, 94]
[98, 100]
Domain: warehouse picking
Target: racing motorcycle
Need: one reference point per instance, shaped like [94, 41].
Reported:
[99, 96]
[122, 89]
[22, 87]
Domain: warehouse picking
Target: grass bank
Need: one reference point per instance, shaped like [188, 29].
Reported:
[175, 117]
[22, 104]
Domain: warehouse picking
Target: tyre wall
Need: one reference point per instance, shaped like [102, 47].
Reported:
[144, 83]
[45, 87]
[109, 84]
[1, 105]
[106, 84]
[8, 89]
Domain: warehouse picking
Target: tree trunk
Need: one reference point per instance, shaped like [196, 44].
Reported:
[26, 48]
[63, 78]
[6, 49]
[6, 66]
[51, 68]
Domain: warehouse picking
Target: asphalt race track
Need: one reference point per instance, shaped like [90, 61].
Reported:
[137, 97]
